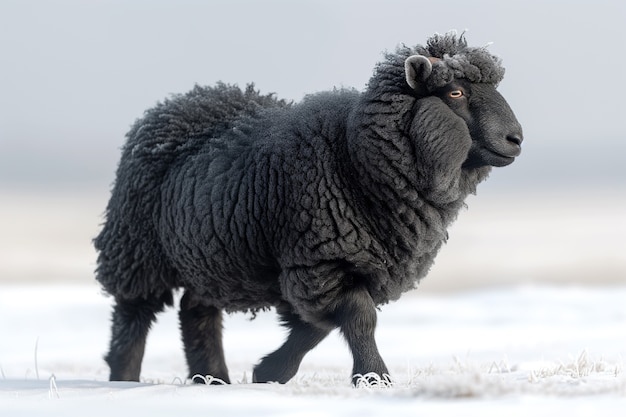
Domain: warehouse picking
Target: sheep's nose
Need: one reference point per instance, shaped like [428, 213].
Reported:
[515, 138]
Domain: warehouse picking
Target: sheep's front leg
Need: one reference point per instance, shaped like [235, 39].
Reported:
[131, 322]
[355, 315]
[201, 328]
[281, 365]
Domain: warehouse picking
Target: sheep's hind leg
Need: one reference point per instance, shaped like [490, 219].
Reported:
[355, 315]
[201, 327]
[131, 322]
[281, 365]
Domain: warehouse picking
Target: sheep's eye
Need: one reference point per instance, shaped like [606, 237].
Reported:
[455, 94]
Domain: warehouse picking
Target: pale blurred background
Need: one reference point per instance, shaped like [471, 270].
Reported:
[74, 75]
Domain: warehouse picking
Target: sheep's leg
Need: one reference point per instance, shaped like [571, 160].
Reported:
[355, 315]
[131, 322]
[281, 365]
[201, 328]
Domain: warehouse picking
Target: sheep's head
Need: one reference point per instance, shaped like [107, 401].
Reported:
[465, 79]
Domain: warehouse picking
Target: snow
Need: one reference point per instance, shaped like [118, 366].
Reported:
[523, 314]
[509, 351]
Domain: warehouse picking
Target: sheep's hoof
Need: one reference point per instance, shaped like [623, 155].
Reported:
[259, 378]
[208, 380]
[275, 368]
[371, 380]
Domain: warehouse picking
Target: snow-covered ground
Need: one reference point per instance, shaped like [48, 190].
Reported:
[522, 350]
[524, 313]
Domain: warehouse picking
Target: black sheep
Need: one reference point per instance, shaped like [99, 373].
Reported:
[323, 209]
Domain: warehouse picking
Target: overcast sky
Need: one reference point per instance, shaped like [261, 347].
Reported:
[74, 75]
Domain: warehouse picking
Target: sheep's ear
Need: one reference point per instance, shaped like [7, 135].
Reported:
[416, 69]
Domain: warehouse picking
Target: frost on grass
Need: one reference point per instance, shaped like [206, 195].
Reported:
[581, 375]
[576, 369]
[53, 392]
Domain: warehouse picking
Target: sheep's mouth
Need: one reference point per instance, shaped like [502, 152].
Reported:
[480, 157]
[498, 159]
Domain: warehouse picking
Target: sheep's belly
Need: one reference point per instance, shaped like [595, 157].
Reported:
[230, 286]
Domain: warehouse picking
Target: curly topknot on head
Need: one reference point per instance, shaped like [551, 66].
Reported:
[454, 60]
[447, 44]
[457, 60]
